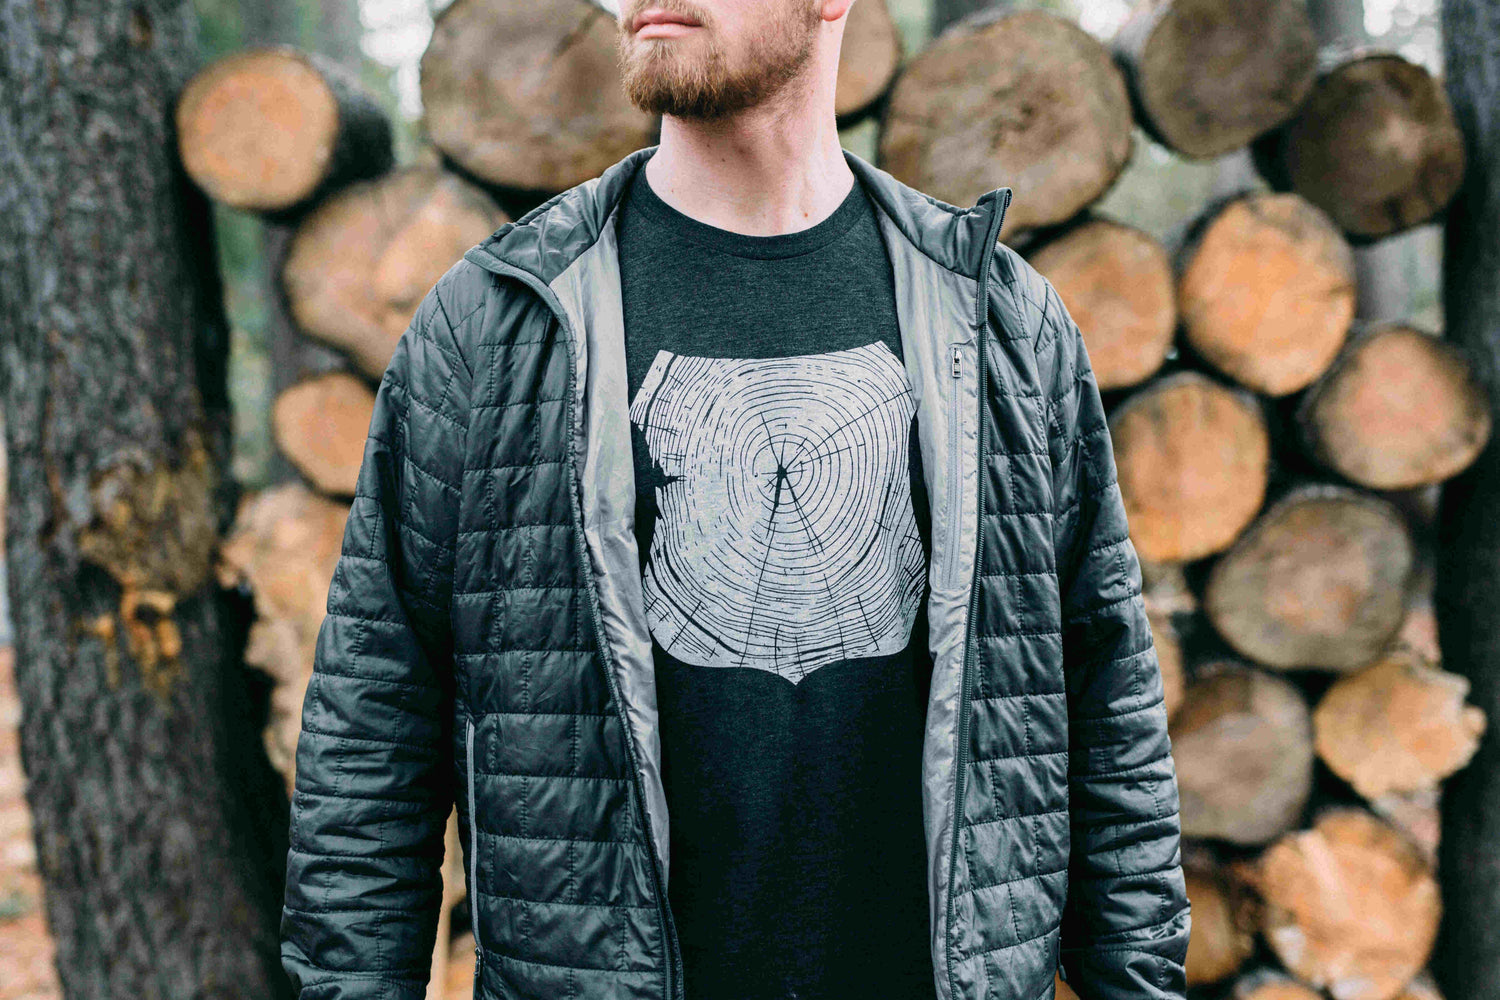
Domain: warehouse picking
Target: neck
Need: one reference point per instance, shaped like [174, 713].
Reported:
[771, 169]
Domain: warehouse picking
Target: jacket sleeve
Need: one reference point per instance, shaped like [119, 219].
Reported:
[1126, 921]
[374, 787]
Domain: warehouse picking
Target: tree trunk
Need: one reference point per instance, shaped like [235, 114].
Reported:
[1468, 602]
[160, 827]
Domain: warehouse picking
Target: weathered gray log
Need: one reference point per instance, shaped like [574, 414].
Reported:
[160, 827]
[1207, 76]
[529, 95]
[1023, 98]
[1319, 580]
[1374, 145]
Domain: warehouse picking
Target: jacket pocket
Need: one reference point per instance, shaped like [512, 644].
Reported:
[473, 863]
[954, 500]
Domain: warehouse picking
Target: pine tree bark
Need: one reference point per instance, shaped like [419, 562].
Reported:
[160, 826]
[1467, 963]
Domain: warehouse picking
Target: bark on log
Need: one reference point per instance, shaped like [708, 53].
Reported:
[1468, 561]
[1207, 76]
[1267, 290]
[1397, 725]
[1022, 98]
[1398, 408]
[284, 547]
[1351, 906]
[160, 828]
[1375, 145]
[320, 425]
[1242, 743]
[529, 95]
[274, 129]
[1116, 282]
[361, 261]
[1193, 459]
[868, 58]
[1317, 581]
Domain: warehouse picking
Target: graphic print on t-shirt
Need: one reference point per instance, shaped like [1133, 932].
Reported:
[785, 537]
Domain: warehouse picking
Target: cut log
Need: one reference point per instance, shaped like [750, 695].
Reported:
[1064, 991]
[361, 262]
[1317, 581]
[1397, 725]
[529, 95]
[1424, 987]
[1192, 458]
[1207, 76]
[1224, 924]
[1022, 98]
[320, 425]
[1269, 984]
[1351, 906]
[1267, 290]
[1398, 408]
[1117, 284]
[284, 547]
[1242, 745]
[1375, 145]
[274, 129]
[868, 58]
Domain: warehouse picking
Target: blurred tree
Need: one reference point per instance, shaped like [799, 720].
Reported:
[1467, 960]
[160, 827]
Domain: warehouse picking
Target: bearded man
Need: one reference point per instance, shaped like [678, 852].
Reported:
[738, 548]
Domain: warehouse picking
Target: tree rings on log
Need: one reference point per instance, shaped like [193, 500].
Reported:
[1351, 906]
[360, 264]
[1018, 98]
[1397, 725]
[1267, 290]
[272, 129]
[1117, 284]
[868, 58]
[1317, 581]
[1243, 749]
[1207, 76]
[1399, 408]
[1375, 145]
[320, 425]
[1192, 459]
[1223, 934]
[529, 95]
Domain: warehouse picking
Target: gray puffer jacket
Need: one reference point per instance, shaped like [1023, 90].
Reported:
[486, 644]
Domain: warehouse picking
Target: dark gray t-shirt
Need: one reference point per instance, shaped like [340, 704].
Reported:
[784, 541]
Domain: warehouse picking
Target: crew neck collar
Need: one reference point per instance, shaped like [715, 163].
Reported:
[778, 246]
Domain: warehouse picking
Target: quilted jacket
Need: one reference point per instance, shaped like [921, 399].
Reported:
[486, 644]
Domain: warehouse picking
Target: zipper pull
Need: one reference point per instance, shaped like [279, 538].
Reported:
[957, 361]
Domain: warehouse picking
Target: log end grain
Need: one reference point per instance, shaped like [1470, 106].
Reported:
[868, 58]
[320, 425]
[1267, 291]
[1192, 458]
[1117, 284]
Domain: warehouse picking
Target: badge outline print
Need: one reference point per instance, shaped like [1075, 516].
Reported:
[785, 535]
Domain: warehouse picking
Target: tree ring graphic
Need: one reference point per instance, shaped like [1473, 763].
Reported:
[785, 537]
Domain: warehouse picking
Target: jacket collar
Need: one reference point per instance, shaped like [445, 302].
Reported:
[548, 238]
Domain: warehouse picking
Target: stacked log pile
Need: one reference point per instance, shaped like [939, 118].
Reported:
[1279, 459]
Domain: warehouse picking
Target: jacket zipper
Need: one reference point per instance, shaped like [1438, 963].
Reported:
[474, 854]
[668, 931]
[955, 421]
[971, 626]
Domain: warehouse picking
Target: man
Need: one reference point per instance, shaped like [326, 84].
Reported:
[738, 545]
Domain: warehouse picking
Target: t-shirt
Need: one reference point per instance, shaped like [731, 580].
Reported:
[783, 528]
